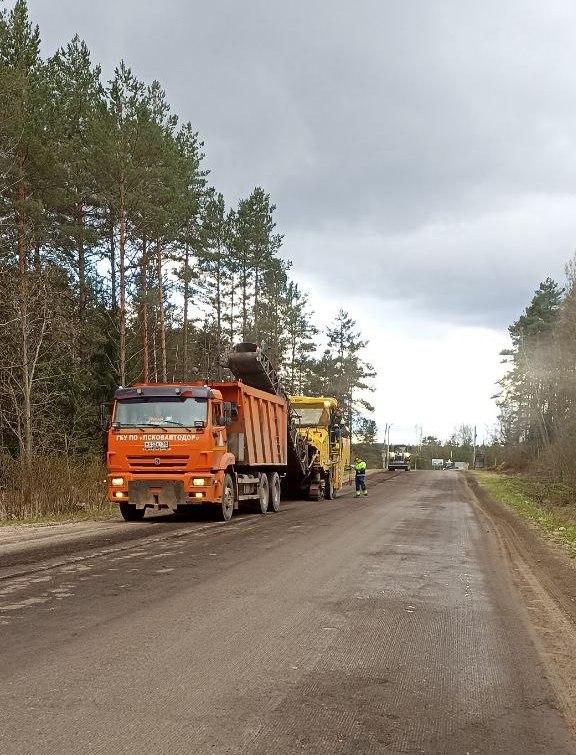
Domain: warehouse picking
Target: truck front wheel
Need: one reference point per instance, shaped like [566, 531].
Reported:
[227, 498]
[130, 513]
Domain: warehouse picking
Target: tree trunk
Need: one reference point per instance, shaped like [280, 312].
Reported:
[185, 354]
[256, 324]
[232, 289]
[293, 362]
[122, 313]
[244, 284]
[219, 309]
[112, 252]
[37, 258]
[144, 310]
[155, 349]
[82, 293]
[82, 297]
[161, 313]
[26, 435]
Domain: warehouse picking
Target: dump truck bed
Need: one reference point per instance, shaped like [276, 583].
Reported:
[258, 435]
[252, 367]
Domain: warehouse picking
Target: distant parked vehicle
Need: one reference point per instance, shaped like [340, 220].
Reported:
[458, 466]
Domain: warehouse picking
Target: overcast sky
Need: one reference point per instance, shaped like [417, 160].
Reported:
[422, 155]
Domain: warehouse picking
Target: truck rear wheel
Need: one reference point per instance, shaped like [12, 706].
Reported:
[316, 491]
[274, 485]
[263, 493]
[130, 513]
[227, 498]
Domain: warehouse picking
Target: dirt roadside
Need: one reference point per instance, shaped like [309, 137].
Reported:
[546, 578]
[23, 545]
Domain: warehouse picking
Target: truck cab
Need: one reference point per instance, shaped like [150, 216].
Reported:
[174, 446]
[167, 445]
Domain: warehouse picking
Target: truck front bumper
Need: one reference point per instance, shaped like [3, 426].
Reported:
[158, 492]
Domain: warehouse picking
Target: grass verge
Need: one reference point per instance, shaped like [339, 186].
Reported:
[548, 505]
[92, 514]
[61, 490]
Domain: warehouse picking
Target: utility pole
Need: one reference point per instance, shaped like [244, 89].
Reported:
[474, 450]
[418, 429]
[387, 439]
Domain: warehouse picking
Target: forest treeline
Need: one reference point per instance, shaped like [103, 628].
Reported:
[120, 262]
[538, 393]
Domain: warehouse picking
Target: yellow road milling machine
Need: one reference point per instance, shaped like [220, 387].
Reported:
[320, 422]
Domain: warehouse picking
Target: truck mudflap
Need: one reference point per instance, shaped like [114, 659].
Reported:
[168, 495]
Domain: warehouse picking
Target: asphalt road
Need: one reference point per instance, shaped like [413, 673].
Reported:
[388, 624]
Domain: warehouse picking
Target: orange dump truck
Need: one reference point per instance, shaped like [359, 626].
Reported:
[174, 446]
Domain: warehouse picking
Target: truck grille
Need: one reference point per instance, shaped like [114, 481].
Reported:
[153, 464]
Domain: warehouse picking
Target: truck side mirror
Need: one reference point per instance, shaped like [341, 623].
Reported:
[105, 413]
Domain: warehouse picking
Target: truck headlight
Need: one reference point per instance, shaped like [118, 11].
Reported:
[117, 482]
[119, 494]
[198, 481]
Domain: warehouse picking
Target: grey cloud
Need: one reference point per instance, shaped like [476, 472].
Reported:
[435, 139]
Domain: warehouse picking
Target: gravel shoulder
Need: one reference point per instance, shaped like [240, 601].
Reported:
[545, 576]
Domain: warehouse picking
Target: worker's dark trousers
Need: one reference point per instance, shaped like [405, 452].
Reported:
[360, 482]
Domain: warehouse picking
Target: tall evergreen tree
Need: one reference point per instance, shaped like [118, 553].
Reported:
[122, 177]
[341, 372]
[526, 406]
[29, 178]
[301, 336]
[77, 92]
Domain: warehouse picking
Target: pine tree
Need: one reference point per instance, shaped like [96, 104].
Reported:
[526, 405]
[213, 267]
[77, 92]
[301, 336]
[194, 196]
[365, 430]
[347, 371]
[122, 178]
[29, 177]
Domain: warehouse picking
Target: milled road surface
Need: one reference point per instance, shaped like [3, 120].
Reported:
[382, 625]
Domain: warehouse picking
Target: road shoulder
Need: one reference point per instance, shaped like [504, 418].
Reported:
[546, 580]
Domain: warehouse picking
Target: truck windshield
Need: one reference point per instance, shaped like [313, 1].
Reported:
[310, 416]
[165, 412]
